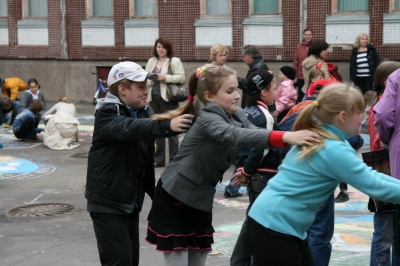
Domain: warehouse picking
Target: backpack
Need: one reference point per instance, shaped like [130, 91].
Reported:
[334, 74]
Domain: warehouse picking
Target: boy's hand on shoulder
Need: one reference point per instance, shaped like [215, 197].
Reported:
[181, 123]
[301, 137]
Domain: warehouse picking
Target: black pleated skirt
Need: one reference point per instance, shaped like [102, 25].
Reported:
[175, 226]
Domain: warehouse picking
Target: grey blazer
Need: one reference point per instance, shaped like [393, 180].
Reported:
[27, 99]
[207, 151]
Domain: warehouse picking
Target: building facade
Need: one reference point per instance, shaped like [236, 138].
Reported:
[62, 42]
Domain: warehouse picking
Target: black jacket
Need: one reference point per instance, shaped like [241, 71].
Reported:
[258, 64]
[373, 61]
[121, 158]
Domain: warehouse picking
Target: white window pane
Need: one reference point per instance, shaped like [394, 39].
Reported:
[3, 8]
[265, 6]
[397, 4]
[353, 5]
[37, 8]
[145, 7]
[217, 7]
[102, 8]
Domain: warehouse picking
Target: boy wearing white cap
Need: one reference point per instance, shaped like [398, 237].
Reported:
[121, 162]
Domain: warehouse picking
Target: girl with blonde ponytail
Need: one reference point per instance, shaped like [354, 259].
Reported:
[286, 208]
[180, 217]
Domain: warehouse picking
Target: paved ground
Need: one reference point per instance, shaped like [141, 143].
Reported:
[32, 174]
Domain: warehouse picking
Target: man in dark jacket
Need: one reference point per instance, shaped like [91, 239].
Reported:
[252, 57]
[121, 162]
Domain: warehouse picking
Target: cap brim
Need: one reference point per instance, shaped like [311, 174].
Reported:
[143, 76]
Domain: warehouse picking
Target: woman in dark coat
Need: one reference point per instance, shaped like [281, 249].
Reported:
[363, 63]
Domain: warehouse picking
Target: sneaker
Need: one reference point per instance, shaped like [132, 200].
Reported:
[342, 197]
[229, 195]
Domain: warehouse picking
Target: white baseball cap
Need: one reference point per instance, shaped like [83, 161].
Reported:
[129, 70]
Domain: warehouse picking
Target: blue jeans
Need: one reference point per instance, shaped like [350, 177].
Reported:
[320, 233]
[15, 106]
[383, 239]
[231, 189]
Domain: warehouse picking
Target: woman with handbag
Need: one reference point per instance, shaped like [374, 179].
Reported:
[169, 70]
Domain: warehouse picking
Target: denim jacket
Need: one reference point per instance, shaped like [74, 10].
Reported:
[22, 117]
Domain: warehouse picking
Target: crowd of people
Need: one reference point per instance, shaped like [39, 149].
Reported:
[27, 112]
[285, 145]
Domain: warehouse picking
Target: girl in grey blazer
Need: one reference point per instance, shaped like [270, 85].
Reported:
[181, 214]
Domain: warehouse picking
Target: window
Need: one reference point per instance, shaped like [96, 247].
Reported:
[35, 8]
[143, 8]
[3, 8]
[265, 7]
[394, 5]
[216, 7]
[101, 8]
[350, 6]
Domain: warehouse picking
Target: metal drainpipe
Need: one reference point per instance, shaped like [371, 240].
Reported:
[63, 43]
[303, 17]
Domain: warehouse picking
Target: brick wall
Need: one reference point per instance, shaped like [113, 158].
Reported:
[176, 20]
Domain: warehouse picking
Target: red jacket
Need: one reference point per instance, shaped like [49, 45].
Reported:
[301, 54]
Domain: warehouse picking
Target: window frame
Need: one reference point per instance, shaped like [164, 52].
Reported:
[25, 10]
[251, 13]
[336, 11]
[203, 10]
[391, 7]
[132, 10]
[89, 11]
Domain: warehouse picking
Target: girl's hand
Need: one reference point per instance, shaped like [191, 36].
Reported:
[301, 137]
[275, 114]
[239, 179]
[181, 123]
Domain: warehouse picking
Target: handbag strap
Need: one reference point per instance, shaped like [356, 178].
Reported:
[170, 68]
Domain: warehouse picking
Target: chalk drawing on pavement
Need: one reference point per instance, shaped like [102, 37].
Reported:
[15, 168]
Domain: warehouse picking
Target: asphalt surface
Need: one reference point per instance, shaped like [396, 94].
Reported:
[32, 174]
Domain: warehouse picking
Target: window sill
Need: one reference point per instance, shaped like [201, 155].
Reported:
[97, 23]
[32, 23]
[271, 20]
[347, 19]
[213, 22]
[142, 22]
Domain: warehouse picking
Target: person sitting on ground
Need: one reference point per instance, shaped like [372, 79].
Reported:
[5, 107]
[286, 94]
[33, 93]
[62, 126]
[10, 88]
[25, 126]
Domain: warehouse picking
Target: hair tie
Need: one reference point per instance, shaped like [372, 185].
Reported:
[191, 98]
[316, 103]
[199, 71]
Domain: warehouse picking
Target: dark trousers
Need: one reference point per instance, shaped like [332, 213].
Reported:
[271, 248]
[364, 83]
[160, 106]
[117, 237]
[342, 186]
[300, 94]
[27, 130]
[241, 254]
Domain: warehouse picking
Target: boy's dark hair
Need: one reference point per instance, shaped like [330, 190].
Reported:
[6, 102]
[316, 47]
[36, 106]
[167, 45]
[124, 82]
